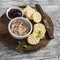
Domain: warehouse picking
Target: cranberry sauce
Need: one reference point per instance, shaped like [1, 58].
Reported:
[14, 13]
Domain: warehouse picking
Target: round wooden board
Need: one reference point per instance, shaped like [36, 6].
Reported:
[12, 43]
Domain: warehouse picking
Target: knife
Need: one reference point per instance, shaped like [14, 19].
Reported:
[44, 20]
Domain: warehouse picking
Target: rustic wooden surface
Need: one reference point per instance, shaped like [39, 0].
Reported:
[52, 50]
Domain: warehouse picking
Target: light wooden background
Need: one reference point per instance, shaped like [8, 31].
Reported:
[52, 50]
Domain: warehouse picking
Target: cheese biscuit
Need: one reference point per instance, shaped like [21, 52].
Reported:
[26, 9]
[33, 40]
[29, 14]
[39, 26]
[37, 17]
[39, 34]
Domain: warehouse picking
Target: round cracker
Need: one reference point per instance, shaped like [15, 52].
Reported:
[27, 9]
[37, 17]
[39, 26]
[30, 13]
[33, 40]
[39, 35]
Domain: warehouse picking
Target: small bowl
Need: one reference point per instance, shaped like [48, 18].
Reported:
[16, 36]
[14, 7]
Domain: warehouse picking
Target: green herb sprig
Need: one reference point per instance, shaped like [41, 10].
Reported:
[19, 45]
[25, 46]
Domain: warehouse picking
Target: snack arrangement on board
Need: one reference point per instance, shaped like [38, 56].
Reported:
[27, 27]
[22, 28]
[39, 29]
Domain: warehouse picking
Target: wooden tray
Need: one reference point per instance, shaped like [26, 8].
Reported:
[12, 43]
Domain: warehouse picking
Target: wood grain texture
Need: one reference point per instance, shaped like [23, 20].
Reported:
[52, 50]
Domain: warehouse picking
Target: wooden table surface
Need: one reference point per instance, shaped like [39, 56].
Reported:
[52, 50]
